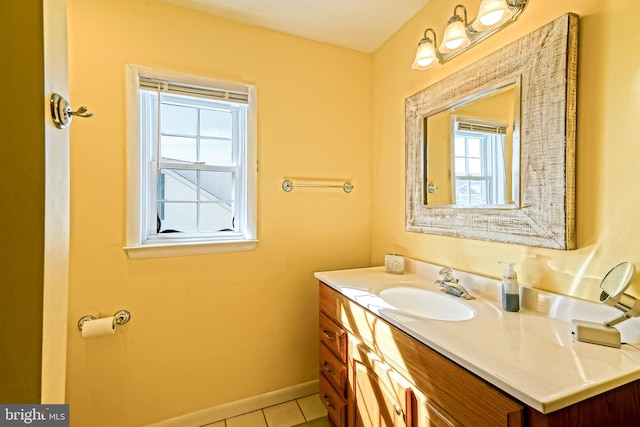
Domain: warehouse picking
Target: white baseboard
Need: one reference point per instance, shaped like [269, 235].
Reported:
[239, 407]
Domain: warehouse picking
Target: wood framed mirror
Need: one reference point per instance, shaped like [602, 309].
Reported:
[539, 168]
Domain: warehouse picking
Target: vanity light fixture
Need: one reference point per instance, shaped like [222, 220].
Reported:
[460, 35]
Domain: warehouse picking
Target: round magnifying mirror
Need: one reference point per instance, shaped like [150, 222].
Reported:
[617, 280]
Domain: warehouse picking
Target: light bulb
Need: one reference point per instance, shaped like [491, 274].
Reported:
[454, 44]
[455, 37]
[424, 62]
[493, 13]
[492, 17]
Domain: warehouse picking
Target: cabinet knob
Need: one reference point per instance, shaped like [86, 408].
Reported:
[327, 367]
[328, 335]
[327, 402]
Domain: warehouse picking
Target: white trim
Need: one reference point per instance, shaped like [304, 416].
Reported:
[55, 286]
[133, 233]
[251, 174]
[239, 407]
[183, 249]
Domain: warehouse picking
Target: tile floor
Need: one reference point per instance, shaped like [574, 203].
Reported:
[304, 412]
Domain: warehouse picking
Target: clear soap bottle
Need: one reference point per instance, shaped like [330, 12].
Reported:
[510, 288]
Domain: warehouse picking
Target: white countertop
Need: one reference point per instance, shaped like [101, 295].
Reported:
[530, 354]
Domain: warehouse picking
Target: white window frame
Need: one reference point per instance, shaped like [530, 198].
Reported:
[484, 177]
[489, 156]
[138, 245]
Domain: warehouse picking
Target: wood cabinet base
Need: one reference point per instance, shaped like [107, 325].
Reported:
[394, 380]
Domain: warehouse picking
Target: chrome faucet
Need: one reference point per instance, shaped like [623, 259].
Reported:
[450, 285]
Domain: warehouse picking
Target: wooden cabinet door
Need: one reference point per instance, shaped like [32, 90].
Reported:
[380, 401]
[429, 414]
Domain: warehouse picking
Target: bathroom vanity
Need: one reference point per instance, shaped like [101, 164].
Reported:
[406, 364]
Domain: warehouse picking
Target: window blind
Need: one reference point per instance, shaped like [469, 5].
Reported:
[177, 88]
[483, 128]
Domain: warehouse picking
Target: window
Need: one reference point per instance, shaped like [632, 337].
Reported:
[471, 170]
[192, 163]
[479, 163]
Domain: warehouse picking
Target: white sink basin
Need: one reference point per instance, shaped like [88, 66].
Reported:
[426, 303]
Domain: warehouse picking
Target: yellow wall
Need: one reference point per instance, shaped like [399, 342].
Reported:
[608, 173]
[439, 165]
[213, 329]
[34, 189]
[210, 329]
[22, 191]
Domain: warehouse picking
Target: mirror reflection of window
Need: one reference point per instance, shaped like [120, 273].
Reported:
[479, 162]
[492, 118]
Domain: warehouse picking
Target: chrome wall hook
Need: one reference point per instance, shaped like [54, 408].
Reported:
[81, 112]
[61, 111]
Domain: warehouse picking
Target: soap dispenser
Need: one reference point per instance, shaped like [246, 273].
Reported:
[510, 288]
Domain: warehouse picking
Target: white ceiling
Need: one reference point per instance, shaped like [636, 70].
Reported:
[356, 24]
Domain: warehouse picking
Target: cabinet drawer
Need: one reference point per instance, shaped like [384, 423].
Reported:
[333, 336]
[331, 303]
[335, 404]
[334, 369]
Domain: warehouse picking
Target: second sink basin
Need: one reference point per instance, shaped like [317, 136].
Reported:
[426, 303]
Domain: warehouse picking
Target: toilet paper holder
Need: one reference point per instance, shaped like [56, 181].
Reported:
[120, 318]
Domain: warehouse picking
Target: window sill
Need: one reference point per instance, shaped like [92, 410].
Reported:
[184, 249]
